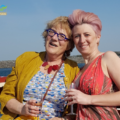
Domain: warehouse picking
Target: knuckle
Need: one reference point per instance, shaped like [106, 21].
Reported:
[29, 101]
[30, 107]
[77, 100]
[26, 105]
[31, 111]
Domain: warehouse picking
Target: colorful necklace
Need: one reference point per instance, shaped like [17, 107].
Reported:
[50, 67]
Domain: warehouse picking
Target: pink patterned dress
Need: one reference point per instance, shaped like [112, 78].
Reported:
[94, 82]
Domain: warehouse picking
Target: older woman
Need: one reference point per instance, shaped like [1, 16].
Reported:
[95, 94]
[34, 71]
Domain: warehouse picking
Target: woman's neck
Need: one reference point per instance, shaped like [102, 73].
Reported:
[53, 60]
[88, 58]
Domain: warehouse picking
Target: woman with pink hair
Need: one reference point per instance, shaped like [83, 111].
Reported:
[95, 95]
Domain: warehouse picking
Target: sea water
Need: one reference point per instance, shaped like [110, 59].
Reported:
[6, 71]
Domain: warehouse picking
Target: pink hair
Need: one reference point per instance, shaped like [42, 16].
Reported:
[81, 17]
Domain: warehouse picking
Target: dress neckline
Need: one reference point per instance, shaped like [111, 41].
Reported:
[91, 64]
[80, 76]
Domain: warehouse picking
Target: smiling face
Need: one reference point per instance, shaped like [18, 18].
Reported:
[53, 45]
[85, 39]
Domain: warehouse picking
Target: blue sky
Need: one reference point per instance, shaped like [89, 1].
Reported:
[21, 28]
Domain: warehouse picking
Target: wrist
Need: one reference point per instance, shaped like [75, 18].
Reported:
[21, 109]
[90, 100]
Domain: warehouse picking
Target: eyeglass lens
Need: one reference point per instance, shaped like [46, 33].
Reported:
[60, 36]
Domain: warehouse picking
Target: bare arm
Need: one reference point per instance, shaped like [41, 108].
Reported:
[14, 106]
[113, 67]
[113, 99]
[29, 109]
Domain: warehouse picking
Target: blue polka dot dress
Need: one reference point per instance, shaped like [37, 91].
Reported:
[53, 104]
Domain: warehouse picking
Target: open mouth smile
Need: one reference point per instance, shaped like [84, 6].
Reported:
[52, 44]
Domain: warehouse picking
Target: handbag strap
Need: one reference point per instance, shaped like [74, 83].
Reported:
[51, 81]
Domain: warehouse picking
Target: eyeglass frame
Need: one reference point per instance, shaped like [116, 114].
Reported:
[57, 35]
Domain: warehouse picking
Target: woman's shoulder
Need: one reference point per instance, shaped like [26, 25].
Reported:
[30, 54]
[110, 56]
[70, 62]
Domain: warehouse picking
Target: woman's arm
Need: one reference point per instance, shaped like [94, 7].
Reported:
[29, 109]
[8, 91]
[113, 99]
[8, 95]
[112, 62]
[8, 100]
[14, 106]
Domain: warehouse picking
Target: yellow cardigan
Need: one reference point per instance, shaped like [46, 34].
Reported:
[26, 66]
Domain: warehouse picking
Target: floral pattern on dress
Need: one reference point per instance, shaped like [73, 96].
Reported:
[53, 104]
